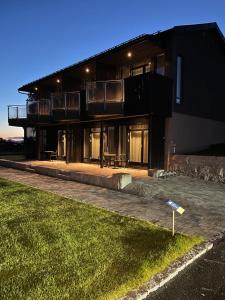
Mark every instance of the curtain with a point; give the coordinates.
(61, 143)
(135, 146)
(95, 145)
(145, 147)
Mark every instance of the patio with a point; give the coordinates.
(86, 168)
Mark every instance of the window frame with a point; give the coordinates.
(179, 81)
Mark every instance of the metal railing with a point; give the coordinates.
(41, 107)
(66, 101)
(105, 91)
(16, 112)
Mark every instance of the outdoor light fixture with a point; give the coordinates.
(58, 80)
(87, 70)
(36, 88)
(129, 54)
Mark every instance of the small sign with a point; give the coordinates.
(175, 206)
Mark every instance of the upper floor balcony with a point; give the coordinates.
(38, 110)
(105, 97)
(135, 95)
(141, 94)
(65, 106)
(34, 112)
(17, 114)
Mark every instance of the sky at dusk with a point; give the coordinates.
(37, 37)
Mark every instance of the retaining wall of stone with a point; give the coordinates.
(205, 167)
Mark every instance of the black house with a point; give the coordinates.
(134, 104)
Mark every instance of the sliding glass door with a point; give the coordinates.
(126, 143)
(139, 146)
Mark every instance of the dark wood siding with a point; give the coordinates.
(148, 93)
(203, 92)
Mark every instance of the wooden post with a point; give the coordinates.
(101, 146)
(150, 142)
(173, 221)
(68, 144)
(25, 141)
(38, 137)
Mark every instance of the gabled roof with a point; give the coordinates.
(111, 50)
(129, 43)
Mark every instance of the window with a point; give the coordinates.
(137, 71)
(179, 79)
(160, 64)
(141, 69)
(111, 140)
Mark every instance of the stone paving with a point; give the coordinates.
(204, 202)
(87, 168)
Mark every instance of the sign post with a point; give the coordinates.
(175, 207)
(173, 221)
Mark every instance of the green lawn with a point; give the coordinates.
(55, 248)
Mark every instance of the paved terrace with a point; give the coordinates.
(93, 169)
(204, 202)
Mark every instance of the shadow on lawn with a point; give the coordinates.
(4, 184)
(144, 249)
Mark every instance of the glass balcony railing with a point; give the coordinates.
(67, 101)
(16, 112)
(105, 91)
(38, 108)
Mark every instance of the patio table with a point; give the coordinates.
(50, 154)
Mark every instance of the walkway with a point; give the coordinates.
(204, 218)
(204, 279)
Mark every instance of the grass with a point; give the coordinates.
(55, 248)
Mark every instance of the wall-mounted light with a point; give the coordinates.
(87, 70)
(58, 80)
(36, 88)
(129, 54)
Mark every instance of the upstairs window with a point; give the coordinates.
(137, 71)
(141, 69)
(179, 80)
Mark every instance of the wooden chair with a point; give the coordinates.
(121, 161)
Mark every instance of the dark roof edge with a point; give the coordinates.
(203, 26)
(130, 42)
(83, 61)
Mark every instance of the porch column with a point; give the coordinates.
(101, 146)
(68, 144)
(157, 136)
(38, 137)
(25, 141)
(150, 142)
(116, 136)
